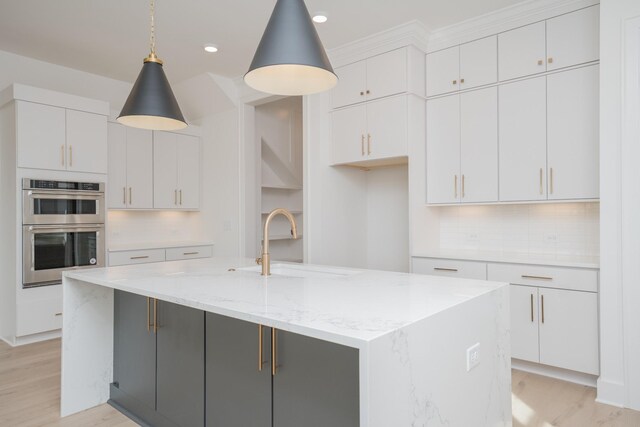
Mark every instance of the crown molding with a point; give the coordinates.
(501, 20)
(411, 33)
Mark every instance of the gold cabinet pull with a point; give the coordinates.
(540, 62)
(455, 82)
(461, 81)
(124, 195)
(531, 308)
(148, 313)
(541, 181)
(369, 144)
(463, 186)
(260, 348)
(550, 60)
(542, 306)
(139, 257)
(361, 93)
(130, 196)
(58, 314)
(551, 180)
(62, 155)
(274, 351)
(362, 144)
(190, 253)
(180, 197)
(455, 270)
(155, 316)
(71, 156)
(368, 92)
(455, 186)
(175, 197)
(526, 276)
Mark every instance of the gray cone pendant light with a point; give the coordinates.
(290, 59)
(151, 103)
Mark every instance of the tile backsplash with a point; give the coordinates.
(550, 229)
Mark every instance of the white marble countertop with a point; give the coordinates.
(575, 261)
(351, 310)
(156, 245)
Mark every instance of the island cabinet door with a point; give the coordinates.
(180, 361)
(238, 374)
(316, 383)
(524, 323)
(134, 362)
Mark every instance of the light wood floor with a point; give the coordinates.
(30, 397)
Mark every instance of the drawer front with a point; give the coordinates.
(34, 317)
(545, 277)
(136, 257)
(174, 254)
(450, 268)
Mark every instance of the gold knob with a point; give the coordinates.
(540, 61)
(368, 91)
(361, 93)
(455, 82)
(461, 80)
(550, 60)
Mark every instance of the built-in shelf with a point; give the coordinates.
(293, 212)
(287, 260)
(283, 237)
(283, 187)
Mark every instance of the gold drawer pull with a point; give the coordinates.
(526, 276)
(531, 308)
(455, 270)
(274, 351)
(260, 363)
(155, 316)
(58, 314)
(190, 253)
(542, 301)
(148, 313)
(362, 145)
(140, 257)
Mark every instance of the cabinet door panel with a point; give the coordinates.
(521, 52)
(117, 149)
(522, 134)
(41, 136)
(479, 145)
(139, 168)
(524, 323)
(165, 170)
(86, 142)
(134, 360)
(387, 128)
(188, 149)
(443, 71)
(348, 134)
(479, 62)
(238, 395)
(443, 150)
(180, 359)
(573, 129)
(351, 87)
(387, 74)
(316, 385)
(573, 38)
(569, 330)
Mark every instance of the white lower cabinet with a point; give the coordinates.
(450, 268)
(524, 323)
(159, 254)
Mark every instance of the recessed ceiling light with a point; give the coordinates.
(320, 18)
(210, 48)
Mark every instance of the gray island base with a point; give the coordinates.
(212, 343)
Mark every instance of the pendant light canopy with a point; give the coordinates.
(151, 103)
(290, 59)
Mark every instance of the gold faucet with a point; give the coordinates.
(265, 260)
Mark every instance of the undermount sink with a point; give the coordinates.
(292, 270)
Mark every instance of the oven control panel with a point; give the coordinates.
(40, 184)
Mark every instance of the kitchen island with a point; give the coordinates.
(398, 349)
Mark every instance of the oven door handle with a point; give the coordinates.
(64, 195)
(69, 229)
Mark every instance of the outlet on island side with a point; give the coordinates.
(473, 356)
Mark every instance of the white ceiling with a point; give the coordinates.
(110, 37)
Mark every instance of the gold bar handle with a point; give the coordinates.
(463, 186)
(190, 253)
(155, 316)
(175, 197)
(274, 351)
(455, 186)
(148, 313)
(369, 144)
(454, 270)
(180, 197)
(551, 180)
(124, 195)
(541, 181)
(526, 276)
(531, 308)
(130, 196)
(62, 155)
(260, 348)
(139, 257)
(58, 314)
(542, 302)
(362, 144)
(71, 156)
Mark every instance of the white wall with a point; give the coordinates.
(619, 381)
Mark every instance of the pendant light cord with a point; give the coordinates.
(152, 38)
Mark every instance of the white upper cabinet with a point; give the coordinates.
(349, 134)
(443, 71)
(479, 63)
(56, 138)
(573, 38)
(387, 128)
(572, 134)
(352, 80)
(176, 171)
(117, 156)
(86, 142)
(523, 140)
(390, 73)
(479, 145)
(41, 136)
(522, 52)
(461, 67)
(443, 150)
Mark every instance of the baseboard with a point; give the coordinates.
(552, 372)
(611, 393)
(43, 336)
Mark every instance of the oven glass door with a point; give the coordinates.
(53, 207)
(49, 250)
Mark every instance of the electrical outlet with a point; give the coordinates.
(473, 356)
